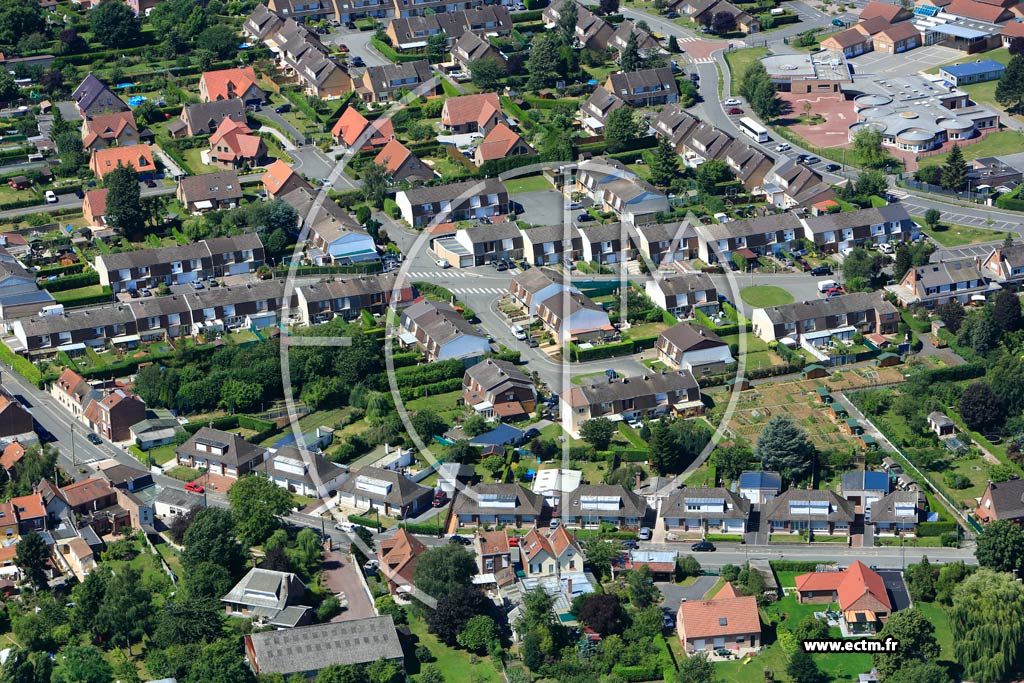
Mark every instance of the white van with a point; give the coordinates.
(51, 198)
(519, 333)
(825, 285)
(777, 12)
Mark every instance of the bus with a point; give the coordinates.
(753, 129)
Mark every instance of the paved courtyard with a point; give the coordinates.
(837, 111)
(674, 593)
(921, 59)
(341, 575)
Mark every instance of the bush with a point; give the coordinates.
(71, 282)
(363, 521)
(933, 529)
(422, 529)
(391, 208)
(950, 539)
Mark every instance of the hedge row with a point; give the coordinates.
(928, 529)
(423, 529)
(23, 366)
(622, 348)
(955, 373)
(363, 521)
(793, 566)
(408, 393)
(355, 268)
(756, 373)
(390, 53)
(69, 269)
(778, 20)
(71, 282)
(404, 360)
(20, 204)
(640, 672)
(526, 17)
(430, 373)
(104, 297)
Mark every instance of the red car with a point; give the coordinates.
(735, 111)
(194, 487)
(513, 541)
(343, 48)
(834, 291)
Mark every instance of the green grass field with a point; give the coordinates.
(952, 235)
(457, 665)
(530, 183)
(1000, 142)
(739, 60)
(763, 296)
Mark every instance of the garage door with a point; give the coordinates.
(719, 642)
(698, 644)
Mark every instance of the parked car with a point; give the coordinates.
(832, 168)
(703, 547)
(635, 423)
(575, 205)
(513, 541)
(668, 622)
(808, 159)
(462, 540)
(584, 218)
(282, 108)
(644, 534)
(350, 25)
(732, 102)
(194, 487)
(819, 271)
(342, 47)
(150, 182)
(735, 111)
(672, 15)
(198, 285)
(93, 438)
(440, 498)
(134, 293)
(147, 292)
(345, 526)
(783, 147)
(51, 198)
(531, 433)
(838, 22)
(532, 343)
(553, 524)
(834, 291)
(357, 61)
(441, 263)
(630, 545)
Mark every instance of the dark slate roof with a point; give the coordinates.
(237, 450)
(476, 499)
(761, 480)
(736, 506)
(839, 508)
(685, 336)
(1007, 498)
(864, 480)
(404, 491)
(311, 648)
(630, 504)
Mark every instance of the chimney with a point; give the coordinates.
(568, 586)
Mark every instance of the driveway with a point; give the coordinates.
(674, 593)
(897, 588)
(341, 575)
(311, 162)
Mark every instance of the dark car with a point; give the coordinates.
(134, 293)
(150, 182)
(671, 15)
(630, 545)
(804, 265)
(350, 25)
(532, 343)
(832, 168)
(501, 266)
(531, 433)
(523, 265)
(282, 108)
(821, 270)
(357, 61)
(584, 218)
(455, 538)
(93, 439)
(703, 547)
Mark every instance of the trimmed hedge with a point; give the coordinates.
(422, 529)
(527, 16)
(955, 373)
(70, 269)
(391, 54)
(930, 529)
(793, 566)
(430, 373)
(420, 391)
(71, 282)
(640, 672)
(23, 366)
(363, 521)
(622, 348)
(104, 297)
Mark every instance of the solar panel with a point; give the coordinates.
(705, 501)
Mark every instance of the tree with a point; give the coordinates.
(600, 555)
(664, 166)
(621, 127)
(673, 45)
(1006, 311)
(82, 663)
(642, 591)
(32, 557)
(696, 669)
(115, 25)
(124, 198)
(730, 461)
(766, 102)
(954, 171)
(951, 575)
(479, 633)
(431, 673)
(1010, 88)
(951, 314)
(239, 397)
(920, 672)
(475, 425)
(784, 447)
(8, 88)
(752, 77)
(710, 174)
(565, 27)
(981, 409)
(255, 504)
(921, 580)
(861, 263)
(987, 611)
(606, 7)
(1001, 547)
(375, 184)
(444, 571)
(676, 443)
(600, 611)
(916, 635)
(453, 613)
(871, 183)
(868, 145)
(723, 23)
(631, 59)
(487, 73)
(802, 669)
(211, 538)
(902, 262)
(810, 628)
(1016, 46)
(186, 620)
(932, 218)
(220, 39)
(220, 662)
(427, 423)
(19, 18)
(598, 432)
(543, 63)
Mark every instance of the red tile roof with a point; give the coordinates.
(976, 10)
(458, 111)
(97, 200)
(29, 507)
(498, 143)
(722, 616)
(493, 542)
(353, 124)
(849, 584)
(393, 156)
(884, 10)
(398, 556)
(1014, 29)
(228, 83)
(277, 174)
(86, 491)
(11, 455)
(555, 543)
(238, 138)
(107, 126)
(137, 156)
(898, 32)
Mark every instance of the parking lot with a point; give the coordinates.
(921, 59)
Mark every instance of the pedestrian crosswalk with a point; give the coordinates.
(445, 274)
(688, 39)
(479, 290)
(702, 60)
(899, 194)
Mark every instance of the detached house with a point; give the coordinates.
(705, 511)
(280, 180)
(270, 597)
(441, 332)
(93, 97)
(591, 505)
(1002, 500)
(573, 316)
(385, 490)
(355, 131)
(400, 164)
(94, 207)
(497, 387)
(210, 191)
(695, 348)
(227, 84)
(646, 396)
(472, 113)
(494, 555)
(380, 83)
(532, 286)
(205, 117)
(823, 511)
(500, 143)
(934, 284)
(683, 294)
(728, 621)
(645, 88)
(508, 504)
(233, 145)
(1005, 265)
(139, 157)
(859, 591)
(108, 130)
(397, 557)
(221, 453)
(897, 513)
(305, 472)
(595, 111)
(471, 48)
(550, 553)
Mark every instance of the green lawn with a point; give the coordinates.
(953, 235)
(182, 473)
(758, 355)
(162, 454)
(70, 294)
(739, 60)
(457, 665)
(586, 378)
(938, 618)
(763, 296)
(530, 183)
(193, 157)
(445, 405)
(993, 144)
(1002, 55)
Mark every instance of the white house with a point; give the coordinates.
(706, 510)
(305, 472)
(550, 553)
(552, 484)
(570, 316)
(531, 287)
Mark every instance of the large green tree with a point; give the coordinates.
(1001, 546)
(802, 669)
(32, 557)
(19, 18)
(124, 199)
(375, 184)
(954, 171)
(1010, 88)
(598, 432)
(544, 63)
(765, 101)
(664, 166)
(696, 669)
(82, 664)
(1006, 312)
(631, 59)
(444, 571)
(565, 27)
(710, 174)
(920, 672)
(187, 620)
(220, 39)
(784, 447)
(115, 25)
(915, 634)
(487, 73)
(125, 614)
(676, 443)
(621, 127)
(868, 145)
(986, 619)
(980, 407)
(256, 503)
(211, 539)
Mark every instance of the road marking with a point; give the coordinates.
(703, 60)
(478, 290)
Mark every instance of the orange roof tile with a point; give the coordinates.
(353, 124)
(719, 617)
(11, 455)
(138, 157)
(238, 138)
(107, 126)
(398, 556)
(86, 491)
(1013, 29)
(277, 174)
(7, 555)
(493, 542)
(97, 200)
(555, 543)
(228, 83)
(849, 584)
(498, 143)
(29, 507)
(393, 156)
(976, 10)
(882, 9)
(458, 111)
(727, 591)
